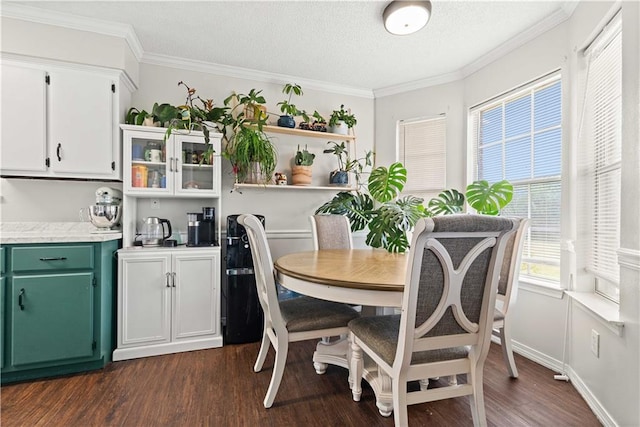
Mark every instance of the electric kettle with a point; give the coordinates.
(153, 231)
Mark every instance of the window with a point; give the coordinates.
(599, 174)
(518, 137)
(422, 150)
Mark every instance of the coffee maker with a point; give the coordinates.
(201, 228)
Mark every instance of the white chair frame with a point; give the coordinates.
(477, 336)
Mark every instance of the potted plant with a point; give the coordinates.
(288, 109)
(252, 155)
(301, 169)
(251, 105)
(319, 123)
(342, 120)
(346, 164)
(388, 216)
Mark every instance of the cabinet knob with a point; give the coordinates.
(58, 152)
(173, 281)
(167, 275)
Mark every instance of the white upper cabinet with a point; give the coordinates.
(59, 121)
(81, 132)
(24, 124)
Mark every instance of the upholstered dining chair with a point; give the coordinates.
(296, 319)
(507, 292)
(331, 232)
(446, 320)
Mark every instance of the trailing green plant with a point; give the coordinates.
(387, 215)
(250, 145)
(303, 157)
(346, 163)
(286, 107)
(342, 115)
(484, 198)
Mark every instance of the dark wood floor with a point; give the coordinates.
(219, 388)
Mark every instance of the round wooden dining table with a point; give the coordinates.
(367, 277)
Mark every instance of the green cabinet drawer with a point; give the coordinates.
(42, 258)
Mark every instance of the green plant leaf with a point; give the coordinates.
(355, 206)
(489, 199)
(386, 184)
(447, 202)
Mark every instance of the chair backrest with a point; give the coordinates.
(331, 232)
(510, 271)
(451, 285)
(264, 272)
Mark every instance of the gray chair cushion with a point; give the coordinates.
(497, 315)
(332, 232)
(311, 314)
(380, 333)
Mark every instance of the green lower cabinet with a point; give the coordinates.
(2, 322)
(57, 309)
(52, 318)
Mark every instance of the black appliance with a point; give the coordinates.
(201, 228)
(244, 314)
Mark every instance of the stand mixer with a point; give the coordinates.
(106, 213)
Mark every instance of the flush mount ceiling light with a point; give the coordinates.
(406, 17)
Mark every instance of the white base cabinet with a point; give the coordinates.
(168, 301)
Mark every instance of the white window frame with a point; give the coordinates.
(473, 138)
(422, 149)
(600, 131)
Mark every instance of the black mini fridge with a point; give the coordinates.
(244, 314)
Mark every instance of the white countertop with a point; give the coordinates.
(53, 232)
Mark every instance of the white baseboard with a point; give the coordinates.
(595, 405)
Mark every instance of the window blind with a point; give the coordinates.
(518, 137)
(600, 160)
(422, 150)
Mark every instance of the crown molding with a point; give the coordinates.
(250, 74)
(557, 18)
(49, 17)
(418, 84)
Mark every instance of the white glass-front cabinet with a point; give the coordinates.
(70, 130)
(177, 167)
(168, 301)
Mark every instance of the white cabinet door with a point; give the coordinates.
(81, 124)
(144, 299)
(23, 119)
(195, 298)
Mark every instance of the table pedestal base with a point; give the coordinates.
(337, 353)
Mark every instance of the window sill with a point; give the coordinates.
(540, 287)
(607, 312)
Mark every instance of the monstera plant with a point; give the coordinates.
(387, 215)
(484, 198)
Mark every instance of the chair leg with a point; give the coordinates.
(399, 388)
(355, 370)
(507, 351)
(262, 354)
(476, 399)
(282, 348)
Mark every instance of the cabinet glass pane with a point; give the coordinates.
(196, 171)
(149, 163)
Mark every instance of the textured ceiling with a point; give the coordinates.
(338, 42)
